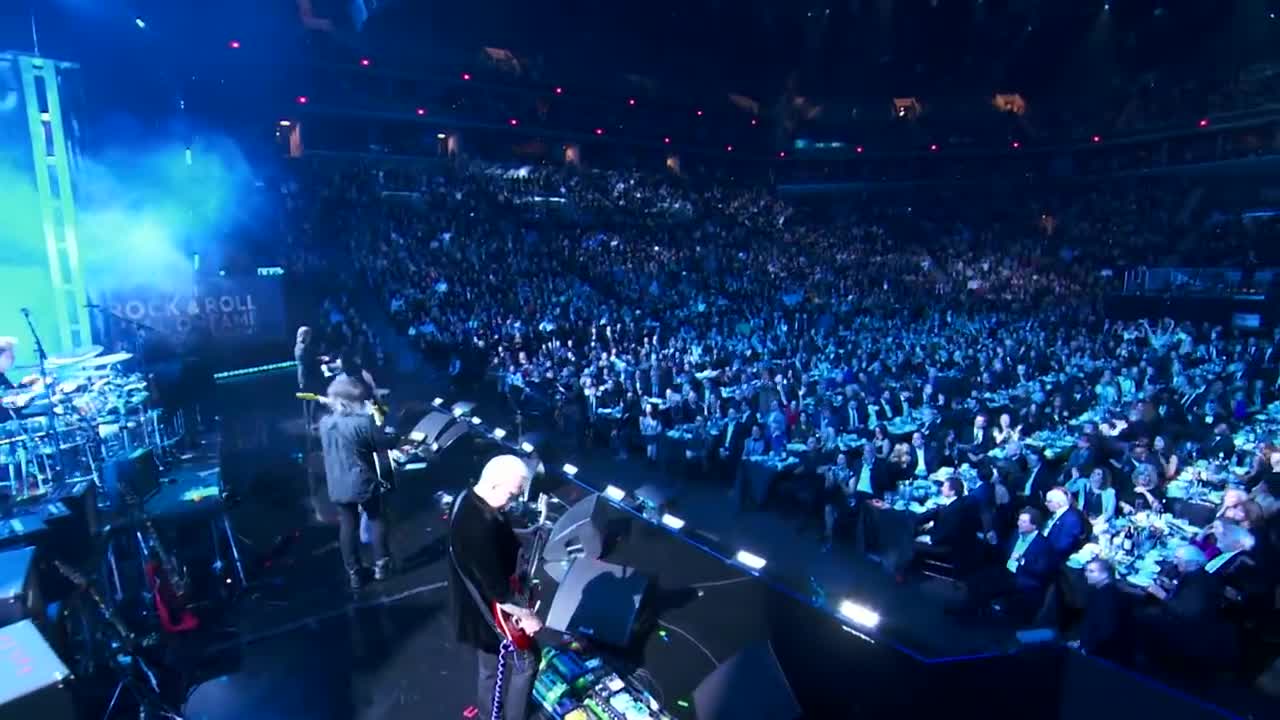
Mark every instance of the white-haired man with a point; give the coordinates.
(484, 550)
(7, 346)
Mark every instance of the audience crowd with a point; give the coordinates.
(937, 384)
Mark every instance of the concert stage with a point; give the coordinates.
(298, 644)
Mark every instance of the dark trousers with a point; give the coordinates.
(520, 669)
(349, 531)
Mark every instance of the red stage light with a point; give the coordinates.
(728, 148)
(666, 140)
(422, 111)
(1097, 139)
(466, 76)
(599, 131)
(1204, 122)
(302, 99)
(933, 148)
(364, 62)
(631, 101)
(234, 44)
(782, 153)
(753, 121)
(559, 90)
(1016, 144)
(858, 149)
(513, 122)
(699, 113)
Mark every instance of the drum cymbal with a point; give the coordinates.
(74, 357)
(106, 360)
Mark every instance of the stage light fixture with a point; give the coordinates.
(302, 99)
(728, 148)
(754, 122)
(466, 76)
(666, 141)
(672, 521)
(142, 24)
(631, 101)
(559, 91)
(526, 446)
(499, 433)
(441, 136)
(513, 122)
(699, 113)
(458, 412)
(750, 560)
(933, 147)
(365, 62)
(285, 123)
(858, 149)
(1204, 122)
(438, 402)
(234, 44)
(1097, 139)
(475, 420)
(1016, 144)
(422, 111)
(782, 153)
(599, 131)
(570, 470)
(859, 614)
(615, 493)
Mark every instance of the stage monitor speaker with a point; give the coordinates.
(749, 686)
(19, 590)
(136, 474)
(32, 678)
(576, 534)
(598, 600)
(430, 427)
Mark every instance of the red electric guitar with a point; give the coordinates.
(523, 584)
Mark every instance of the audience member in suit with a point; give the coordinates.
(1186, 632)
(1105, 628)
(731, 441)
(1019, 584)
(952, 527)
(1067, 529)
(1031, 489)
(979, 441)
(924, 460)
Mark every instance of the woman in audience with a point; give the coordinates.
(1094, 495)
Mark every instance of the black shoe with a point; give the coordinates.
(356, 578)
(382, 569)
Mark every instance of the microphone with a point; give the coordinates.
(26, 312)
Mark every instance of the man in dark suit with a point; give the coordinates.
(1187, 632)
(1067, 528)
(1105, 630)
(1020, 583)
(980, 440)
(924, 460)
(952, 524)
(1031, 490)
(732, 439)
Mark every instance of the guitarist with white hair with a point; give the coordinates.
(485, 554)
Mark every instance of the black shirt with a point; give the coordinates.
(5, 384)
(486, 549)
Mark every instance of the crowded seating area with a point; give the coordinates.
(938, 388)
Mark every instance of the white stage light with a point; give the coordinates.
(859, 614)
(438, 402)
(499, 433)
(475, 421)
(570, 470)
(751, 560)
(615, 493)
(672, 521)
(526, 446)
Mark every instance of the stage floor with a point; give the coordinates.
(299, 644)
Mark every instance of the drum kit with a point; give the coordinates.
(63, 426)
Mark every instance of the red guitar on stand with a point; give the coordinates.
(523, 584)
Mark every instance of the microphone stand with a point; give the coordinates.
(42, 358)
